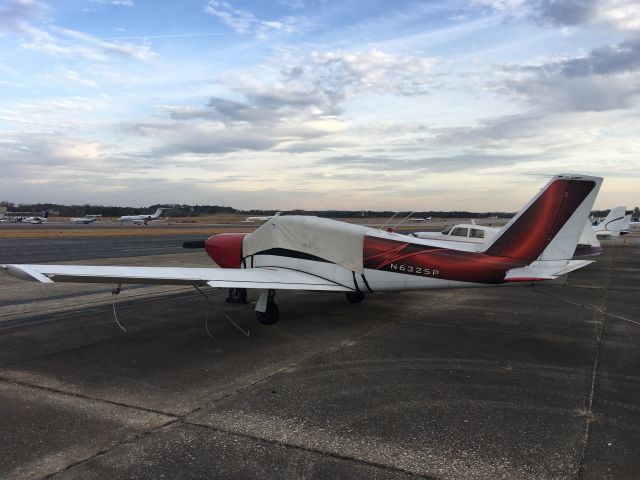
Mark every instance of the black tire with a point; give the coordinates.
(237, 295)
(355, 297)
(270, 315)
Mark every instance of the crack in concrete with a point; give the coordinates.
(590, 417)
(182, 419)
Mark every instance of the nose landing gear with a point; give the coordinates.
(267, 311)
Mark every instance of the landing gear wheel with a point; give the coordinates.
(237, 295)
(270, 315)
(355, 297)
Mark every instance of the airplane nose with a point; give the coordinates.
(225, 249)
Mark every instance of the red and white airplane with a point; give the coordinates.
(311, 253)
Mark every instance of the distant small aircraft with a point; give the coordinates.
(310, 253)
(612, 224)
(35, 220)
(462, 232)
(4, 217)
(588, 244)
(420, 219)
(261, 219)
(142, 219)
(85, 220)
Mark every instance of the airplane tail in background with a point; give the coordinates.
(159, 211)
(45, 214)
(613, 222)
(626, 223)
(549, 226)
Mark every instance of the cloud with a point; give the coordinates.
(18, 17)
(243, 21)
(122, 3)
(433, 164)
(607, 78)
(618, 14)
(622, 15)
(300, 100)
(15, 13)
(227, 111)
(67, 75)
(210, 139)
(72, 43)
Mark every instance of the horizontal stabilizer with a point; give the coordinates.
(542, 270)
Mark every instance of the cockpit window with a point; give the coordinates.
(475, 233)
(459, 232)
(446, 232)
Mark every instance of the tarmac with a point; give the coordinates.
(514, 383)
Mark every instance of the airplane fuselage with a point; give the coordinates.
(391, 262)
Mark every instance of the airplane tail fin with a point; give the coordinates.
(626, 222)
(45, 214)
(613, 222)
(549, 226)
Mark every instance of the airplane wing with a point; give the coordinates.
(259, 278)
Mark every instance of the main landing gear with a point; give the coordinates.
(237, 295)
(355, 297)
(267, 311)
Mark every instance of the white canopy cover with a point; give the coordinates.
(337, 242)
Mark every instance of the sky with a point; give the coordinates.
(325, 104)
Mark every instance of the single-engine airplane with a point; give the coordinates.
(311, 253)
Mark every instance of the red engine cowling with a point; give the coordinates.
(225, 249)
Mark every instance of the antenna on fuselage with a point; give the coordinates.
(385, 223)
(401, 221)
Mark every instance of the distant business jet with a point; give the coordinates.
(142, 219)
(420, 219)
(261, 219)
(85, 220)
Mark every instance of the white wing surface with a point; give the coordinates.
(259, 278)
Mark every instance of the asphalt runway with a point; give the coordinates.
(42, 250)
(454, 384)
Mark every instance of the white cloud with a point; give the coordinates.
(18, 17)
(122, 3)
(243, 21)
(67, 75)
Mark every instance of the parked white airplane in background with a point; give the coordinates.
(462, 232)
(142, 219)
(471, 233)
(420, 219)
(261, 219)
(86, 219)
(4, 217)
(35, 220)
(311, 253)
(612, 224)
